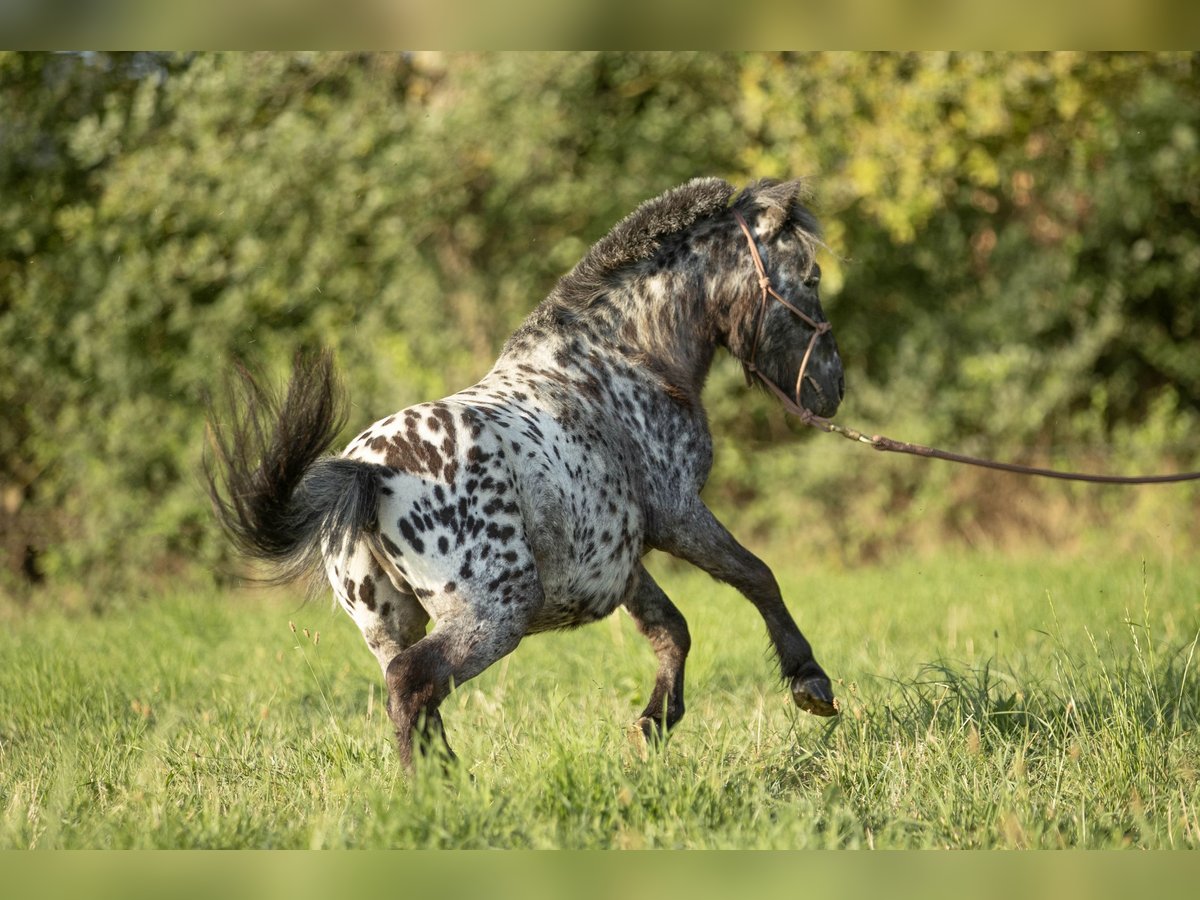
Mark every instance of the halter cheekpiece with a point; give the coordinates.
(794, 402)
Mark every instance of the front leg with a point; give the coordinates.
(700, 539)
(663, 625)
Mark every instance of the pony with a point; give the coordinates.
(526, 502)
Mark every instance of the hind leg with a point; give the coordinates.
(420, 677)
(386, 612)
(663, 625)
(480, 619)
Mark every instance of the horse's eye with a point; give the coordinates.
(814, 277)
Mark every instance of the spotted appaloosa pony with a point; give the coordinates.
(526, 502)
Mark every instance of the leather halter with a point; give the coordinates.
(793, 402)
(794, 405)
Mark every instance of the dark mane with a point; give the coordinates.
(639, 235)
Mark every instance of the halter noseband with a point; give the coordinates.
(793, 403)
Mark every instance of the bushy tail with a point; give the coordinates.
(276, 494)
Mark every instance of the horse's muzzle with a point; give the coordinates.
(824, 383)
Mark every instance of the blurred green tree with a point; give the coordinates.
(1013, 256)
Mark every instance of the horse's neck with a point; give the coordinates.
(667, 323)
(663, 320)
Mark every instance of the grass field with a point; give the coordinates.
(1026, 701)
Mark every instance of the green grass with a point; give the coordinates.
(988, 702)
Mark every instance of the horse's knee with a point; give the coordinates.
(760, 580)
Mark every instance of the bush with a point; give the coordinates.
(1013, 270)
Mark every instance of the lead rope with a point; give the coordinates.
(878, 441)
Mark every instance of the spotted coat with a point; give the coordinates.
(526, 502)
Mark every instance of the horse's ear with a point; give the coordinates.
(776, 199)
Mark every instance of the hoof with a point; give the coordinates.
(640, 741)
(652, 729)
(814, 694)
(645, 737)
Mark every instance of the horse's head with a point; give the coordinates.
(781, 333)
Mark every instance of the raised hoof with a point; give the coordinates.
(814, 694)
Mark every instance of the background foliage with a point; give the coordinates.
(1013, 267)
